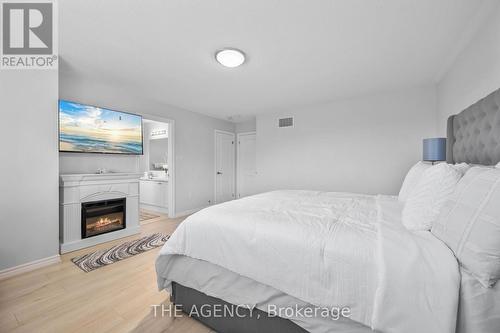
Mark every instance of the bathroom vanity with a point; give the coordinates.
(154, 194)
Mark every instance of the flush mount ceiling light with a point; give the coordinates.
(230, 57)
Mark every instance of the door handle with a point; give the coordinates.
(219, 173)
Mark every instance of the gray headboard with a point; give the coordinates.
(474, 134)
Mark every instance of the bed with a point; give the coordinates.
(330, 252)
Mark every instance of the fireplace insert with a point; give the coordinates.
(100, 217)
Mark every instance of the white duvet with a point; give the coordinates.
(330, 250)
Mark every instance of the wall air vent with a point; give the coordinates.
(285, 122)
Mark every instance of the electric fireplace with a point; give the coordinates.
(100, 217)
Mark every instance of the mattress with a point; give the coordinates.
(221, 283)
(324, 249)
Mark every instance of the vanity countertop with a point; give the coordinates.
(165, 180)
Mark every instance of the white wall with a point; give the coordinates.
(474, 74)
(246, 126)
(90, 163)
(144, 159)
(29, 196)
(359, 145)
(194, 139)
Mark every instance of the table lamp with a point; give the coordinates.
(434, 150)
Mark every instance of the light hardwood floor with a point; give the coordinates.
(114, 298)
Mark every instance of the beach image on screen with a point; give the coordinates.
(90, 129)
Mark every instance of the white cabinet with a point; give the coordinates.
(154, 195)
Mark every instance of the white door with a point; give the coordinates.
(246, 167)
(224, 166)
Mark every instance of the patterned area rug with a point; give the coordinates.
(143, 216)
(98, 259)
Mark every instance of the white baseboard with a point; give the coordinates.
(30, 266)
(156, 209)
(189, 212)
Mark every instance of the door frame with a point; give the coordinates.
(170, 160)
(238, 171)
(215, 163)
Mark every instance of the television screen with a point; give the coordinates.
(89, 129)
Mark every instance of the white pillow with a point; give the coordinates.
(411, 180)
(498, 165)
(422, 207)
(462, 167)
(469, 224)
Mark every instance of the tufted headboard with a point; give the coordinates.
(474, 134)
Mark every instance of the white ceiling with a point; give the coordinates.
(299, 52)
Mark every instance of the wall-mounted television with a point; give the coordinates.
(89, 129)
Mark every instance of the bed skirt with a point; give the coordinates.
(246, 321)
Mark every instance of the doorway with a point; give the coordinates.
(157, 184)
(224, 166)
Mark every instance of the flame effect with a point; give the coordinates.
(106, 221)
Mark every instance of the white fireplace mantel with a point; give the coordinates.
(75, 189)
